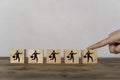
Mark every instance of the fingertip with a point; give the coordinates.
(90, 48)
(99, 44)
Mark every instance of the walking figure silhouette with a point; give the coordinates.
(34, 56)
(88, 56)
(17, 56)
(53, 56)
(71, 56)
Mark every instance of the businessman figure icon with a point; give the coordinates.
(71, 56)
(16, 56)
(88, 56)
(53, 56)
(35, 56)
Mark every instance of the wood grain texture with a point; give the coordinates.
(106, 69)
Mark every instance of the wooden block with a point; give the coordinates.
(17, 56)
(53, 56)
(35, 56)
(89, 56)
(71, 56)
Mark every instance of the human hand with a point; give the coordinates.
(113, 40)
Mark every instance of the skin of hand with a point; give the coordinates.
(113, 40)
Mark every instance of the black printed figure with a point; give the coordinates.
(88, 56)
(53, 56)
(17, 56)
(34, 56)
(71, 56)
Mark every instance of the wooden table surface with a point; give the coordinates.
(106, 69)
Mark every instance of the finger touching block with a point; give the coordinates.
(53, 56)
(71, 56)
(17, 56)
(35, 56)
(89, 56)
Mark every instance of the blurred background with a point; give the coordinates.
(57, 24)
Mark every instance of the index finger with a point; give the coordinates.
(99, 44)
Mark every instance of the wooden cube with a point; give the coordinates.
(35, 56)
(71, 56)
(53, 56)
(17, 56)
(89, 56)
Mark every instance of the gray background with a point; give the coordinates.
(57, 24)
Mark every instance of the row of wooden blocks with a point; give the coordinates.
(53, 56)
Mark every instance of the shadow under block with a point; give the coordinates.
(89, 56)
(35, 56)
(53, 56)
(71, 56)
(17, 56)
